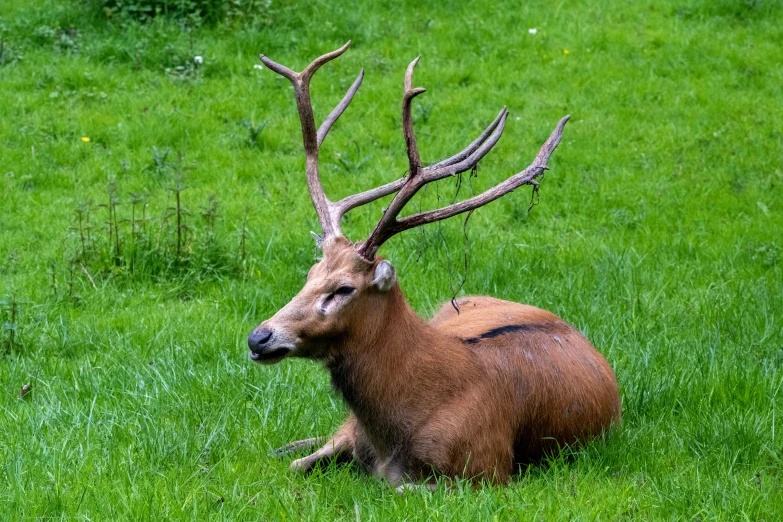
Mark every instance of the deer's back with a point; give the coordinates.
(544, 377)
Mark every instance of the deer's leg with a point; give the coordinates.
(340, 446)
(298, 446)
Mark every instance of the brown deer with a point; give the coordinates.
(473, 392)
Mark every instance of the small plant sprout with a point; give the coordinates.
(210, 214)
(179, 211)
(253, 132)
(159, 164)
(113, 222)
(138, 226)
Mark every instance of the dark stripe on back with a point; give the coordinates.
(501, 330)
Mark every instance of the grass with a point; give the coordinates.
(657, 234)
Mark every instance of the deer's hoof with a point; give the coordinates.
(302, 465)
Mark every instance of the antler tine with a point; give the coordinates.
(470, 149)
(323, 130)
(525, 177)
(282, 70)
(328, 57)
(407, 121)
(474, 157)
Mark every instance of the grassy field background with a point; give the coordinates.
(658, 234)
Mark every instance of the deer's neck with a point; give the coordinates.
(380, 371)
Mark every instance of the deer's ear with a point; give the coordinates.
(385, 276)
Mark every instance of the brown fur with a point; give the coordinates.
(467, 394)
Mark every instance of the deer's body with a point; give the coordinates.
(466, 394)
(469, 393)
(473, 394)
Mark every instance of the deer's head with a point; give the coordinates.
(349, 287)
(343, 292)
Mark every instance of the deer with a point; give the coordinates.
(478, 391)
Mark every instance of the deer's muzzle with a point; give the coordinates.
(265, 347)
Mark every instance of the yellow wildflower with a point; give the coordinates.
(566, 51)
(85, 139)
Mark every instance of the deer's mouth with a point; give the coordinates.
(270, 357)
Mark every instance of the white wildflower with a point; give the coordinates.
(258, 66)
(532, 30)
(198, 59)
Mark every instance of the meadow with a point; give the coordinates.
(154, 210)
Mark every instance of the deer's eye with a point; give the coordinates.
(344, 290)
(334, 301)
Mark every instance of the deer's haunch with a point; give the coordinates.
(468, 394)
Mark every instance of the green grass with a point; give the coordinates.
(657, 234)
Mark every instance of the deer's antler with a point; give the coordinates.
(465, 160)
(330, 213)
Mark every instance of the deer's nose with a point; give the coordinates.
(258, 339)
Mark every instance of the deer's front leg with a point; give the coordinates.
(340, 446)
